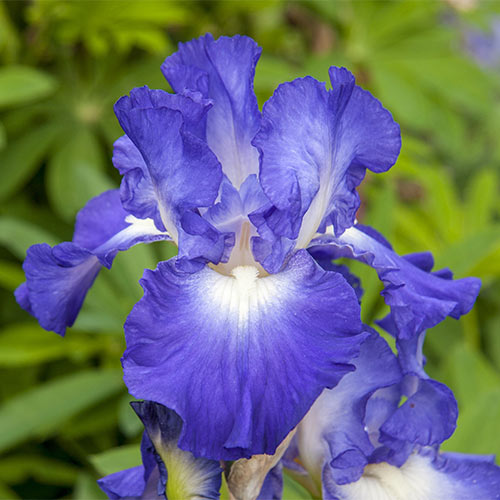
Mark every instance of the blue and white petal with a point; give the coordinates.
(424, 476)
(138, 193)
(334, 432)
(240, 358)
(418, 298)
(223, 71)
(58, 278)
(181, 474)
(315, 146)
(181, 171)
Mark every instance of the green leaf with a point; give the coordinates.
(3, 137)
(41, 411)
(16, 469)
(130, 424)
(116, 459)
(86, 487)
(292, 490)
(25, 344)
(467, 255)
(481, 196)
(469, 375)
(75, 174)
(17, 235)
(477, 427)
(11, 275)
(21, 84)
(21, 158)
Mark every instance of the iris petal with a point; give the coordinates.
(58, 278)
(333, 433)
(182, 170)
(223, 70)
(418, 299)
(315, 146)
(240, 358)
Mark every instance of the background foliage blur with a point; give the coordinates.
(64, 416)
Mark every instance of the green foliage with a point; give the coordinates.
(64, 415)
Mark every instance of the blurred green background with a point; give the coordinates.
(64, 417)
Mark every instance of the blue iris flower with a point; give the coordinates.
(242, 331)
(361, 440)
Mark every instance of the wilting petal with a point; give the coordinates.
(223, 70)
(315, 146)
(418, 299)
(240, 358)
(424, 476)
(333, 433)
(58, 278)
(182, 474)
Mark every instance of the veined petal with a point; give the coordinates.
(181, 172)
(423, 477)
(333, 433)
(418, 298)
(240, 358)
(315, 146)
(58, 278)
(223, 70)
(138, 189)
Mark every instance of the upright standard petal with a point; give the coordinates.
(181, 170)
(223, 70)
(58, 278)
(240, 358)
(419, 299)
(315, 146)
(138, 188)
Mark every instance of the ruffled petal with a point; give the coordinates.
(58, 278)
(418, 298)
(240, 358)
(181, 171)
(181, 474)
(427, 417)
(423, 477)
(315, 146)
(222, 70)
(333, 433)
(138, 188)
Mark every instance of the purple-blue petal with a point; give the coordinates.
(272, 488)
(223, 71)
(315, 146)
(128, 483)
(227, 354)
(184, 173)
(418, 299)
(427, 417)
(334, 433)
(58, 278)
